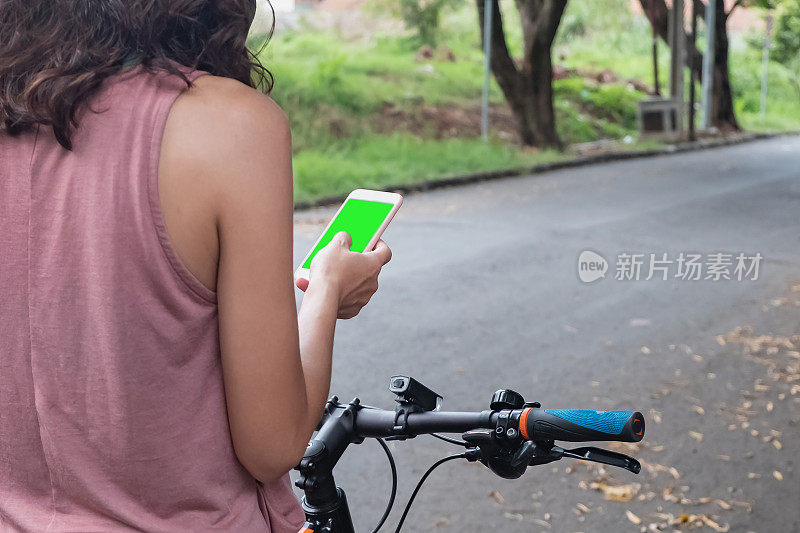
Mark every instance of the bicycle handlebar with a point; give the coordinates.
(572, 425)
(507, 438)
(372, 422)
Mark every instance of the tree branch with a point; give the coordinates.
(503, 67)
(734, 6)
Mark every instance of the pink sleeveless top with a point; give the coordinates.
(112, 409)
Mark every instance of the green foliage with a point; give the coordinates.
(787, 32)
(587, 111)
(424, 17)
(783, 92)
(607, 22)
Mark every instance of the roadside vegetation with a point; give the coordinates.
(378, 110)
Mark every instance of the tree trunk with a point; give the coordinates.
(659, 22)
(538, 90)
(722, 112)
(529, 88)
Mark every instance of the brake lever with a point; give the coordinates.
(599, 455)
(532, 453)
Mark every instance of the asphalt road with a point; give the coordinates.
(483, 293)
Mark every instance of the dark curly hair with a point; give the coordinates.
(55, 54)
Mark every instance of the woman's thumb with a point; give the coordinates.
(344, 239)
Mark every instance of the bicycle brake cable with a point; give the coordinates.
(419, 485)
(394, 485)
(448, 439)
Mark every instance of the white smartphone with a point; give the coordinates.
(364, 215)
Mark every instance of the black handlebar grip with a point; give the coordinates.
(578, 425)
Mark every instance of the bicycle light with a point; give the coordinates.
(410, 391)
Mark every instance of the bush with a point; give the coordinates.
(787, 32)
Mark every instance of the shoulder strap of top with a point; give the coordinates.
(169, 87)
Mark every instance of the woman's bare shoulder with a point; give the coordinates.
(232, 103)
(220, 130)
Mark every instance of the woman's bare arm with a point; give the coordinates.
(235, 144)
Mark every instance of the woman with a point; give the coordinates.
(155, 373)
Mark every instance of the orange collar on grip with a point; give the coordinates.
(523, 423)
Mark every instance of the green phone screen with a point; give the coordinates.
(360, 218)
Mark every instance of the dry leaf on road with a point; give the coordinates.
(619, 493)
(713, 525)
(632, 517)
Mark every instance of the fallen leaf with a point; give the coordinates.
(645, 350)
(713, 525)
(632, 517)
(618, 493)
(777, 475)
(777, 444)
(747, 505)
(694, 520)
(696, 435)
(699, 410)
(497, 496)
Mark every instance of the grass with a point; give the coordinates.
(334, 90)
(380, 161)
(783, 96)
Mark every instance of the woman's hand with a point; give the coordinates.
(353, 276)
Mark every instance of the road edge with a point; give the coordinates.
(477, 177)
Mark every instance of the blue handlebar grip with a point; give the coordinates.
(578, 425)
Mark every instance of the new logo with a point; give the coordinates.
(591, 266)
